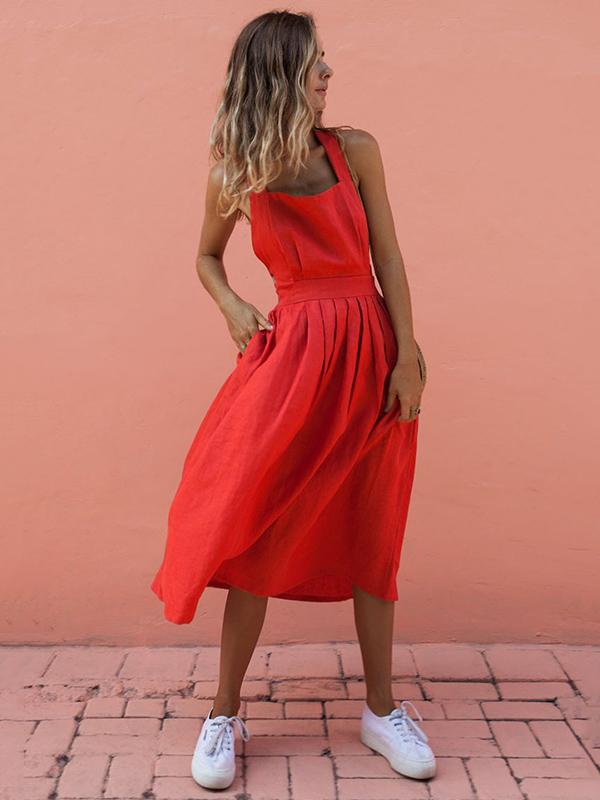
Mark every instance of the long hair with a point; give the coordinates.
(264, 115)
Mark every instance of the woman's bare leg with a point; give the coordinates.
(242, 623)
(374, 619)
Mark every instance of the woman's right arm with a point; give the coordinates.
(243, 319)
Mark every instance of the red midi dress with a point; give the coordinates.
(297, 483)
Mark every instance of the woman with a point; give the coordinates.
(298, 481)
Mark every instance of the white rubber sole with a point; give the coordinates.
(212, 779)
(421, 770)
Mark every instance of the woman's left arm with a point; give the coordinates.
(364, 155)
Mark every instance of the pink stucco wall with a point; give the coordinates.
(487, 116)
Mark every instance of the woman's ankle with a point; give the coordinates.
(381, 705)
(225, 705)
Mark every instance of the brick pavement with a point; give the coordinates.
(506, 722)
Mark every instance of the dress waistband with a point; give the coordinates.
(320, 288)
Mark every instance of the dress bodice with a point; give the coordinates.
(310, 236)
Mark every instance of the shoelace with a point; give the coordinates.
(406, 726)
(220, 733)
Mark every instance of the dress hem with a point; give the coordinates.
(186, 616)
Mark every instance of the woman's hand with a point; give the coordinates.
(405, 384)
(243, 320)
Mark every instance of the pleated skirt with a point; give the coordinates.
(297, 484)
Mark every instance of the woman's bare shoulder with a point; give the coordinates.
(362, 149)
(359, 141)
(216, 175)
(356, 137)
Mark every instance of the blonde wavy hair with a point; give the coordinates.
(264, 115)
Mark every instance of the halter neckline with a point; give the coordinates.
(323, 138)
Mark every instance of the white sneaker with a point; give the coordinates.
(398, 737)
(213, 762)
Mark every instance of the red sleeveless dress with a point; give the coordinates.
(297, 484)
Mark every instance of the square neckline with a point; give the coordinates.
(323, 140)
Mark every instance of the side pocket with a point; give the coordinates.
(250, 347)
